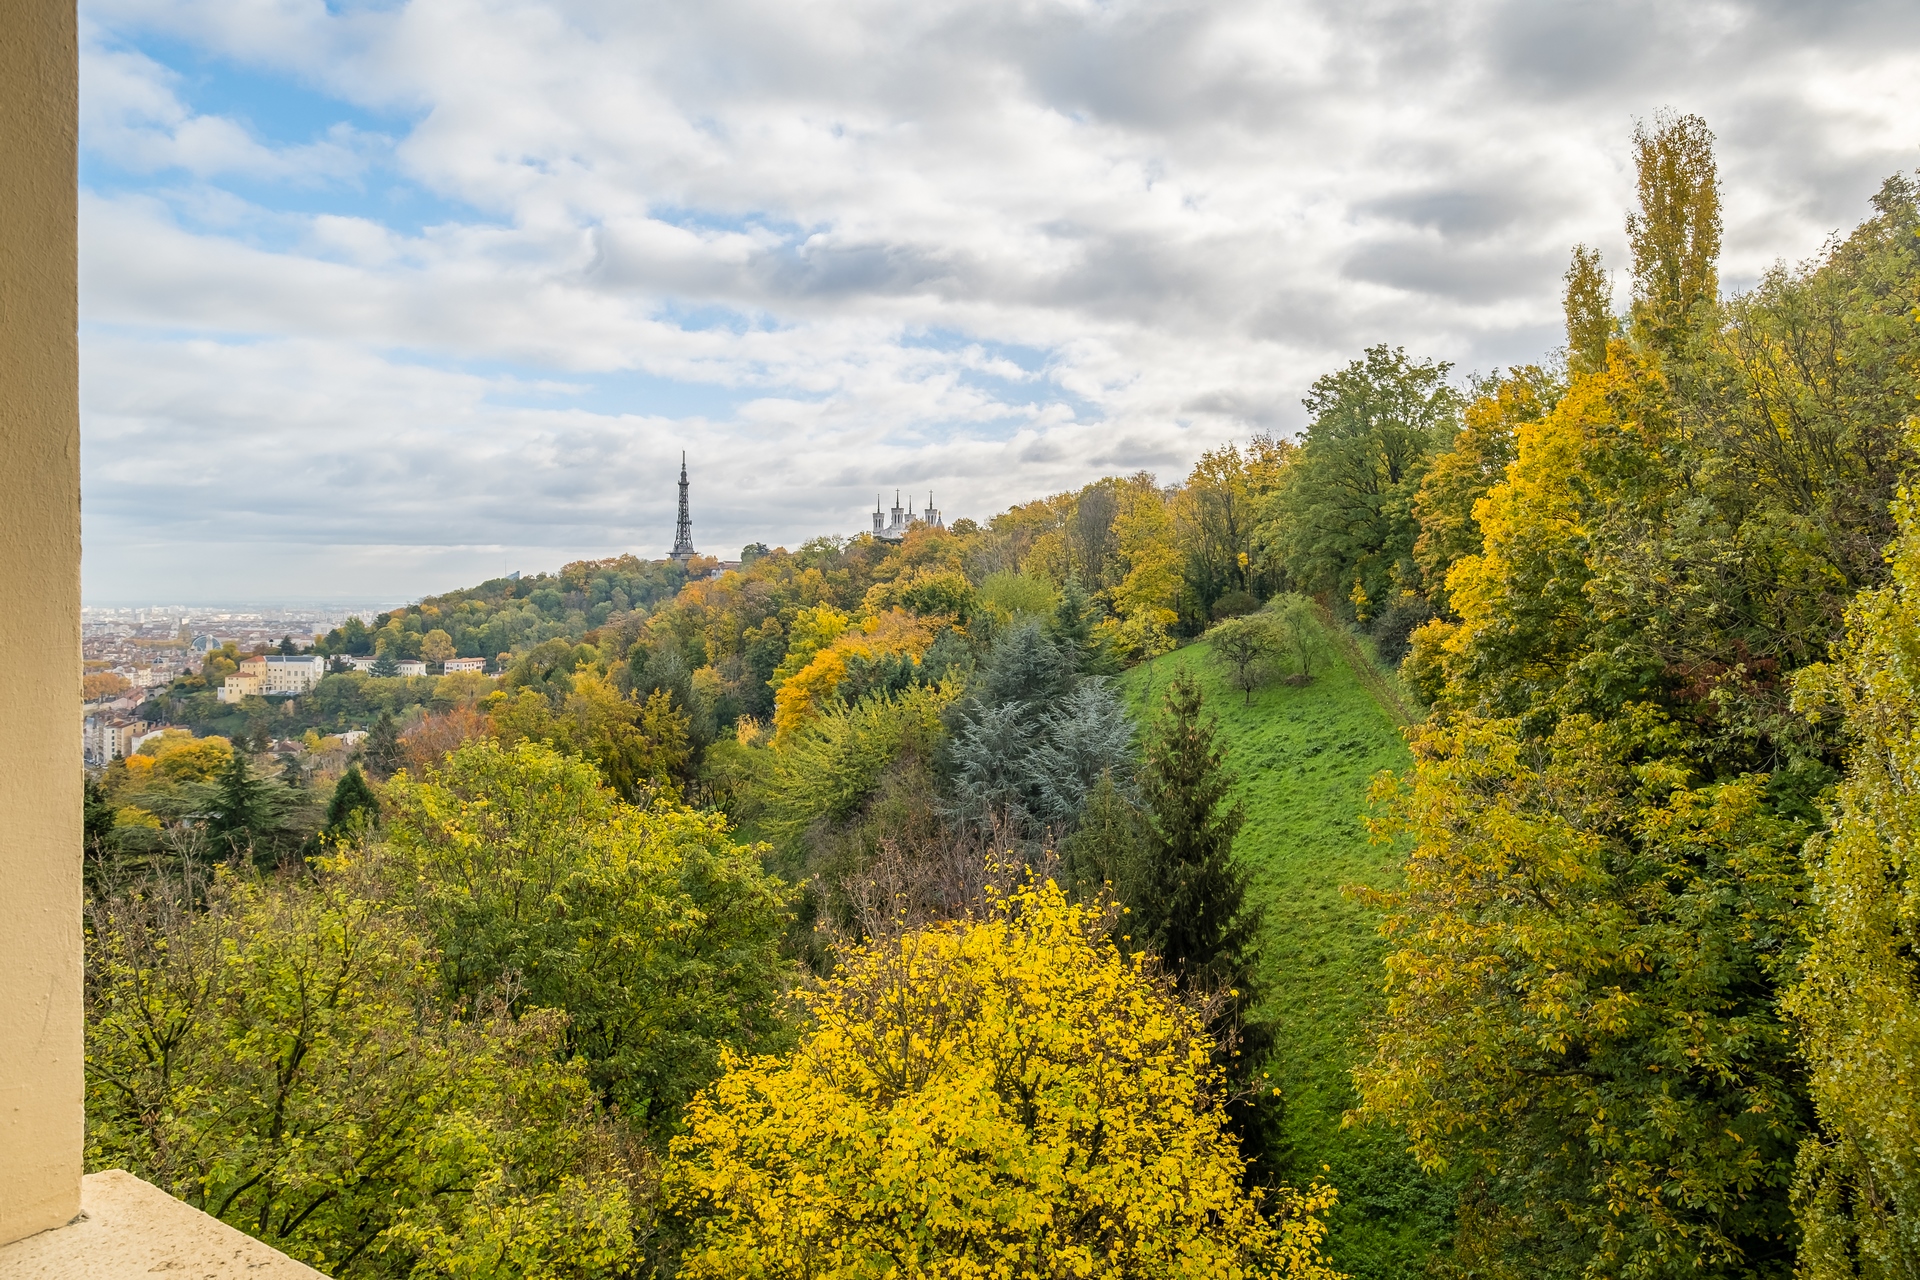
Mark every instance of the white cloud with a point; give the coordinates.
(996, 247)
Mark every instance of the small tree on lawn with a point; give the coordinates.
(1247, 647)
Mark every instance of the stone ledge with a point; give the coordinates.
(130, 1228)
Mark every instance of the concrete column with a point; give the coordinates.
(41, 1019)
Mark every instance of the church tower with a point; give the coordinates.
(683, 528)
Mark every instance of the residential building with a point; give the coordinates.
(293, 674)
(104, 737)
(273, 675)
(410, 667)
(248, 682)
(454, 665)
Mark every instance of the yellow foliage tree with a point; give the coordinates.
(1858, 1002)
(805, 693)
(1007, 1097)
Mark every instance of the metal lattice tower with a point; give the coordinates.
(683, 528)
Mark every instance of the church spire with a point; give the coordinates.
(683, 529)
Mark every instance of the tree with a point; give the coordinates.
(1004, 1096)
(437, 646)
(385, 666)
(1299, 632)
(287, 647)
(1107, 850)
(1675, 235)
(353, 804)
(1857, 1004)
(1188, 900)
(1342, 517)
(1246, 646)
(248, 810)
(1581, 1022)
(1192, 908)
(279, 1057)
(1588, 303)
(654, 932)
(383, 751)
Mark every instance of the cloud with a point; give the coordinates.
(465, 273)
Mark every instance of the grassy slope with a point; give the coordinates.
(1304, 756)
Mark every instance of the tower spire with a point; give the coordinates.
(683, 528)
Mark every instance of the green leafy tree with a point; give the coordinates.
(1298, 632)
(281, 1058)
(1342, 518)
(386, 665)
(1247, 648)
(1582, 1023)
(654, 932)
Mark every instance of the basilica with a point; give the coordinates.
(895, 528)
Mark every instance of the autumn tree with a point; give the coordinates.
(1009, 1095)
(1857, 1003)
(1588, 303)
(437, 646)
(1675, 233)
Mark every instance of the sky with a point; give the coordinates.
(383, 299)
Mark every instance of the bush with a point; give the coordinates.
(1234, 604)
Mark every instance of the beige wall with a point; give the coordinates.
(40, 1012)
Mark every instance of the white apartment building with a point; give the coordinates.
(293, 674)
(272, 675)
(410, 667)
(465, 664)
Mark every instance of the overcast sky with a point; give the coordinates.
(384, 299)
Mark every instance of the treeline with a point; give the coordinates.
(1605, 1016)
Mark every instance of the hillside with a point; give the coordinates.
(1304, 756)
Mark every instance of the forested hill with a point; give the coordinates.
(511, 615)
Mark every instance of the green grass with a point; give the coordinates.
(1304, 756)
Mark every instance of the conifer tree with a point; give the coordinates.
(383, 747)
(1188, 901)
(1192, 908)
(248, 808)
(351, 795)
